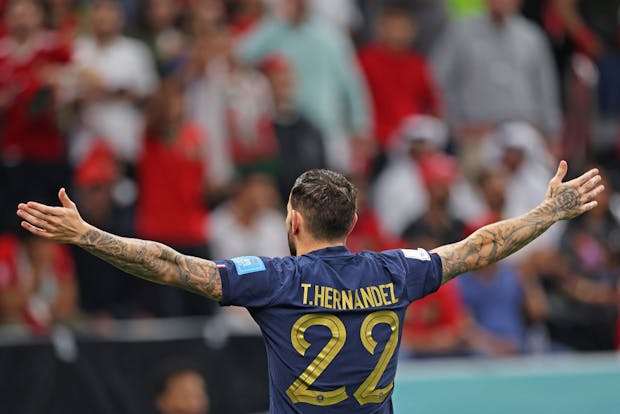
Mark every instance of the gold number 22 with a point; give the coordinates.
(300, 390)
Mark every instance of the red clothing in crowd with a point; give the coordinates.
(369, 235)
(401, 85)
(171, 179)
(30, 130)
(11, 255)
(443, 311)
(243, 25)
(15, 271)
(3, 4)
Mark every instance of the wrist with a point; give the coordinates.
(81, 238)
(547, 212)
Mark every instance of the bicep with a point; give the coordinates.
(196, 275)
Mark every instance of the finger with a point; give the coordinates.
(42, 224)
(64, 199)
(589, 206)
(590, 184)
(35, 230)
(52, 211)
(585, 177)
(594, 193)
(36, 213)
(561, 172)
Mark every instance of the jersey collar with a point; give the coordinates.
(331, 251)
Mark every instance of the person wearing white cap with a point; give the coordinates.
(399, 194)
(521, 149)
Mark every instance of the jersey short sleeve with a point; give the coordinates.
(423, 271)
(254, 281)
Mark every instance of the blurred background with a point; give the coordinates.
(187, 122)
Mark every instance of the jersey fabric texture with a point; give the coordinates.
(332, 322)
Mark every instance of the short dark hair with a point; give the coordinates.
(396, 8)
(327, 201)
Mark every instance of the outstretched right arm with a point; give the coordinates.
(146, 259)
(496, 241)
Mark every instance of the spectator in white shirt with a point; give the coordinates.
(115, 75)
(399, 195)
(250, 223)
(521, 149)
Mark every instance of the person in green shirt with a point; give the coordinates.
(331, 91)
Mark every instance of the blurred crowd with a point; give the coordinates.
(187, 122)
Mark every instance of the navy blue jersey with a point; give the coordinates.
(332, 322)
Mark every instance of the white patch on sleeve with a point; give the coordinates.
(418, 254)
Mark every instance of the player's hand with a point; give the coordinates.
(573, 198)
(62, 224)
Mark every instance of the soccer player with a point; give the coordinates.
(331, 319)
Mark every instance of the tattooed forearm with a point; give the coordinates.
(499, 240)
(155, 262)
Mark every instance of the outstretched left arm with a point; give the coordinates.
(494, 242)
(146, 259)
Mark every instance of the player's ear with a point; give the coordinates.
(296, 220)
(353, 224)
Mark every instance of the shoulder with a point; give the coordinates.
(528, 29)
(398, 257)
(368, 52)
(221, 219)
(271, 219)
(252, 264)
(268, 26)
(467, 27)
(328, 34)
(83, 48)
(399, 172)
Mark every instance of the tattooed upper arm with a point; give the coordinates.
(453, 261)
(492, 243)
(155, 262)
(199, 276)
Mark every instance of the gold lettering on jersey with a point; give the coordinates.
(363, 298)
(319, 296)
(328, 297)
(306, 286)
(347, 299)
(367, 298)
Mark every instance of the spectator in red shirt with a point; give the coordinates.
(171, 178)
(436, 325)
(32, 147)
(368, 233)
(399, 79)
(37, 286)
